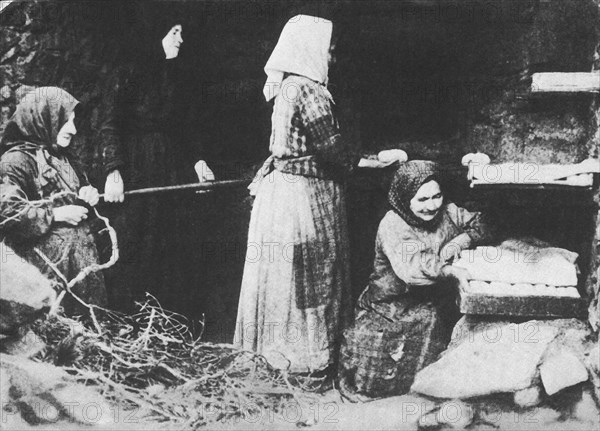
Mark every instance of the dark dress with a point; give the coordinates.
(31, 172)
(149, 112)
(36, 176)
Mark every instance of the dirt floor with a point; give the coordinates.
(572, 410)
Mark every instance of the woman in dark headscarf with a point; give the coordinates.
(409, 297)
(42, 216)
(151, 108)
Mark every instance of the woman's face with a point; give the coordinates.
(172, 41)
(428, 201)
(66, 132)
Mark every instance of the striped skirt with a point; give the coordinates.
(295, 295)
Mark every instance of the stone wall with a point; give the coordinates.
(594, 271)
(513, 126)
(437, 79)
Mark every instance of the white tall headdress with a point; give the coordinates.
(303, 49)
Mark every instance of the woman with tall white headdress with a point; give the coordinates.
(295, 294)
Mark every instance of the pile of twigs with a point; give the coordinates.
(151, 364)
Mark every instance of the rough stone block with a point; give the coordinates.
(25, 343)
(593, 363)
(587, 410)
(25, 292)
(4, 385)
(44, 393)
(528, 397)
(488, 362)
(562, 370)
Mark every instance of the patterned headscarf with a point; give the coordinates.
(38, 118)
(303, 49)
(409, 177)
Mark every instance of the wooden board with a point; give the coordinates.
(530, 174)
(565, 82)
(537, 302)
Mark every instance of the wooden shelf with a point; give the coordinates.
(565, 83)
(520, 186)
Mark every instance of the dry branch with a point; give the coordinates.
(152, 361)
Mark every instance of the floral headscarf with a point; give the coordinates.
(38, 118)
(409, 177)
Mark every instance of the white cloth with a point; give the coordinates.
(303, 49)
(578, 174)
(546, 266)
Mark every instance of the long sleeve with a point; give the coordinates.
(191, 112)
(471, 223)
(106, 132)
(19, 216)
(413, 260)
(322, 131)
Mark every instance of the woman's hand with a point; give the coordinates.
(70, 214)
(114, 188)
(451, 251)
(89, 195)
(203, 171)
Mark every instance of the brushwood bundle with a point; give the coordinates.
(152, 363)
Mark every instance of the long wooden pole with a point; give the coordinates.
(207, 185)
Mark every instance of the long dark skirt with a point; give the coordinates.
(147, 226)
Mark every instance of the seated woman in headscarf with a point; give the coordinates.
(407, 311)
(42, 198)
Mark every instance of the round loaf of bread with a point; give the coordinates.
(390, 156)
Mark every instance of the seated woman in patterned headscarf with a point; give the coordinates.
(42, 198)
(405, 313)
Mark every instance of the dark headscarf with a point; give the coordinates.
(409, 177)
(38, 118)
(149, 23)
(150, 85)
